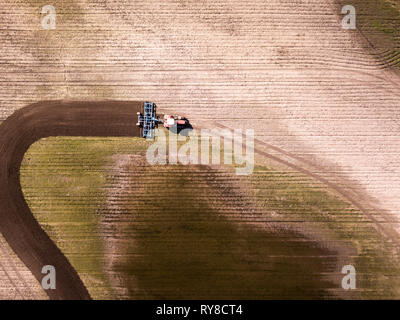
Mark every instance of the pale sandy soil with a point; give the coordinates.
(109, 228)
(286, 69)
(17, 282)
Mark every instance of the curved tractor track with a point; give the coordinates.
(17, 133)
(311, 170)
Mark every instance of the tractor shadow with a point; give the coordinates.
(182, 129)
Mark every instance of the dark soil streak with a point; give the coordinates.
(27, 125)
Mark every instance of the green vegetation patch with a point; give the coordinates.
(198, 231)
(63, 180)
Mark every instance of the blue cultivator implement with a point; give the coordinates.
(148, 120)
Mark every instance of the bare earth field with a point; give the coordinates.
(323, 102)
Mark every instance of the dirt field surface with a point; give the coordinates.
(320, 98)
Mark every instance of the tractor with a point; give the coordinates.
(148, 121)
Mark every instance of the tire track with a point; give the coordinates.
(390, 234)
